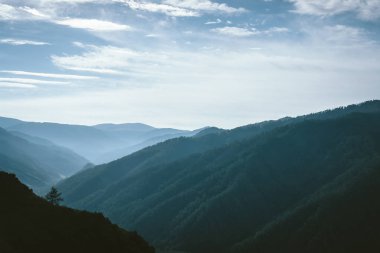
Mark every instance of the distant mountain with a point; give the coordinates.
(100, 143)
(8, 122)
(86, 141)
(37, 162)
(30, 224)
(215, 192)
(127, 127)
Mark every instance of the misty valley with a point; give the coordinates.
(189, 126)
(298, 184)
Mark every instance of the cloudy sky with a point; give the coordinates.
(185, 63)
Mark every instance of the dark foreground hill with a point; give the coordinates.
(30, 224)
(218, 192)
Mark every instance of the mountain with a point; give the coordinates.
(87, 141)
(30, 224)
(37, 162)
(148, 139)
(341, 217)
(8, 122)
(216, 192)
(99, 143)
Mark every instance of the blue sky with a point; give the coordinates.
(185, 64)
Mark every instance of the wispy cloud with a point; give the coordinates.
(365, 9)
(19, 42)
(9, 12)
(217, 21)
(16, 85)
(161, 8)
(183, 8)
(49, 75)
(24, 13)
(93, 25)
(246, 32)
(235, 31)
(205, 5)
(29, 81)
(104, 60)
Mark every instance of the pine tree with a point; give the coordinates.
(54, 196)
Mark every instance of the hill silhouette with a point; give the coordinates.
(31, 224)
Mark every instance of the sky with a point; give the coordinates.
(185, 63)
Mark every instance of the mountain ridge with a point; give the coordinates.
(170, 200)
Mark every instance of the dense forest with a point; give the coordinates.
(267, 187)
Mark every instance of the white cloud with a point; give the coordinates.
(107, 60)
(18, 42)
(29, 81)
(235, 31)
(339, 36)
(217, 21)
(204, 5)
(93, 24)
(16, 85)
(161, 8)
(49, 75)
(365, 9)
(24, 13)
(9, 12)
(246, 32)
(183, 8)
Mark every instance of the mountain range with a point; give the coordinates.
(304, 184)
(37, 162)
(100, 143)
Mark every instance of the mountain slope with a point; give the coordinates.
(39, 164)
(90, 182)
(342, 217)
(30, 224)
(210, 201)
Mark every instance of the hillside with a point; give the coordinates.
(30, 224)
(89, 182)
(38, 163)
(341, 217)
(210, 193)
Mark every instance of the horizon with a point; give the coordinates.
(185, 64)
(189, 129)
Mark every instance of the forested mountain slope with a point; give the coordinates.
(212, 192)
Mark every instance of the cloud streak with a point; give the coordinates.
(19, 42)
(94, 25)
(10, 85)
(365, 9)
(30, 81)
(183, 8)
(49, 75)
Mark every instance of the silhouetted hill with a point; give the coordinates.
(38, 163)
(209, 193)
(30, 224)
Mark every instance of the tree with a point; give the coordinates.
(54, 196)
